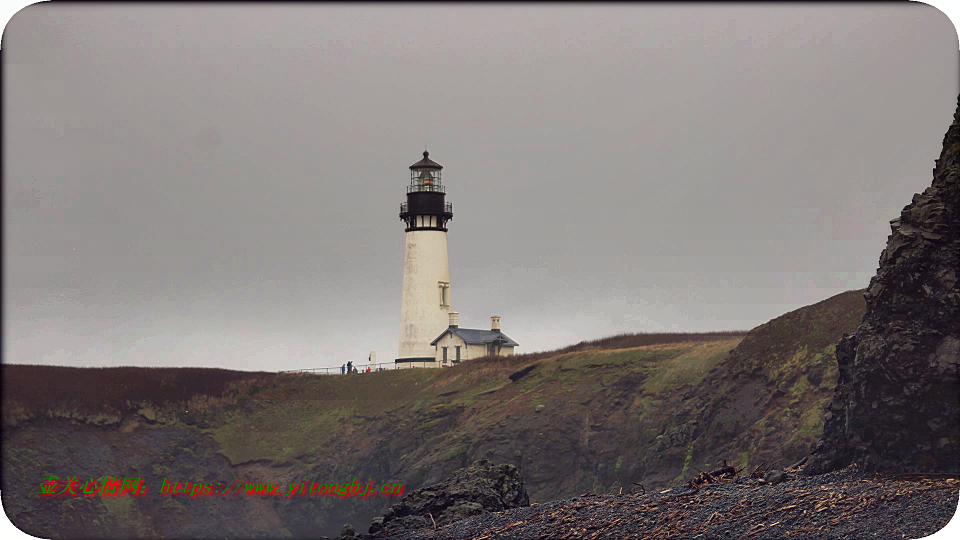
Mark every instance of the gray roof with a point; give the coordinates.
(473, 337)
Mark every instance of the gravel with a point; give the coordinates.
(843, 504)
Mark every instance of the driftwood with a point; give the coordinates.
(723, 473)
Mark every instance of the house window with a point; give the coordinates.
(444, 293)
(444, 355)
(458, 355)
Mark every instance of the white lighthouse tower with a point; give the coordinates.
(426, 271)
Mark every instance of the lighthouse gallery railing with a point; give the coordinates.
(447, 207)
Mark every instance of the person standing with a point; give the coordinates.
(350, 366)
(343, 369)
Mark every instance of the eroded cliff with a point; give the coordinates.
(897, 401)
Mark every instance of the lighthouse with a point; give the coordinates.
(425, 303)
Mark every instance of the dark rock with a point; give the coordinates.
(519, 374)
(348, 532)
(897, 402)
(775, 477)
(481, 487)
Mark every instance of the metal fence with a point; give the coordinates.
(362, 368)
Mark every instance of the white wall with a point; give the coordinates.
(425, 265)
(467, 352)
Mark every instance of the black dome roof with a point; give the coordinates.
(426, 163)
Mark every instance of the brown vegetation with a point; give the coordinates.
(101, 395)
(57, 391)
(621, 341)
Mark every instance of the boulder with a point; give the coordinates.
(481, 487)
(775, 477)
(348, 532)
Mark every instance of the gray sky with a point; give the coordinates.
(219, 185)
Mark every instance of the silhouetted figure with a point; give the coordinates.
(343, 369)
(350, 367)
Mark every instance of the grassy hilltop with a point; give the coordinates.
(595, 416)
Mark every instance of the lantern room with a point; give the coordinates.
(425, 175)
(425, 208)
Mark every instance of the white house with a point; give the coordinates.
(457, 344)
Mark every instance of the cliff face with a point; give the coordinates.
(897, 401)
(596, 417)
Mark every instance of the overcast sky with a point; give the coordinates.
(219, 185)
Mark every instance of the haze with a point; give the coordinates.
(218, 185)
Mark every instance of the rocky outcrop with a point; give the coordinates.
(480, 487)
(897, 401)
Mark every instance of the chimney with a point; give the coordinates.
(495, 323)
(454, 323)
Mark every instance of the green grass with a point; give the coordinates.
(125, 510)
(294, 420)
(689, 367)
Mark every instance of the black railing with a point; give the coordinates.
(362, 368)
(447, 207)
(429, 188)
